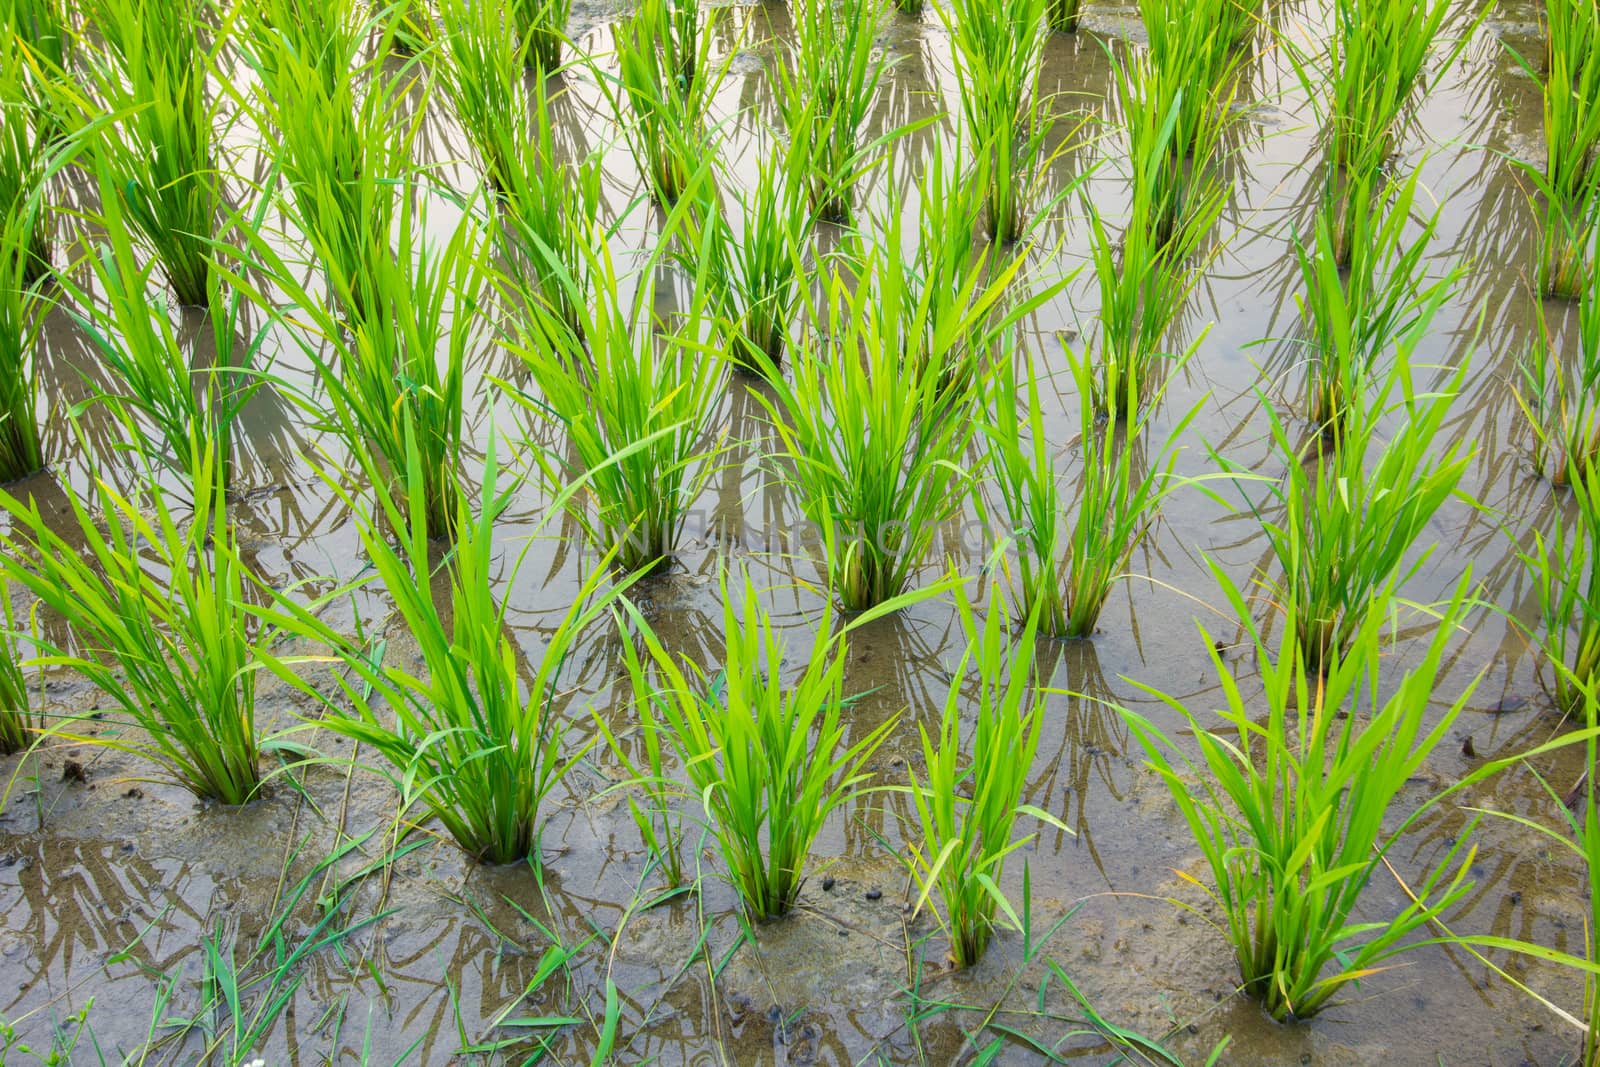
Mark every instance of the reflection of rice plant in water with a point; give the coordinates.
(1345, 524)
(476, 739)
(998, 49)
(161, 613)
(767, 755)
(967, 808)
(636, 409)
(826, 83)
(753, 266)
(1065, 570)
(163, 151)
(1292, 810)
(1354, 316)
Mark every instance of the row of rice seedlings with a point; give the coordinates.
(998, 50)
(968, 802)
(767, 756)
(160, 612)
(670, 131)
(132, 332)
(1353, 316)
(163, 152)
(826, 83)
(1560, 396)
(1564, 566)
(1291, 809)
(875, 423)
(396, 375)
(344, 142)
(1570, 178)
(1340, 524)
(1145, 280)
(752, 260)
(636, 410)
(1065, 570)
(478, 739)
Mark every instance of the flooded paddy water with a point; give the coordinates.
(113, 888)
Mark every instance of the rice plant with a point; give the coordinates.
(967, 808)
(131, 330)
(875, 424)
(17, 720)
(1194, 47)
(1146, 278)
(1569, 181)
(998, 48)
(769, 756)
(541, 28)
(827, 81)
(1343, 525)
(484, 78)
(1564, 567)
(1560, 397)
(477, 737)
(1353, 316)
(669, 129)
(160, 614)
(41, 33)
(344, 143)
(659, 821)
(164, 152)
(637, 411)
(21, 319)
(395, 376)
(24, 144)
(1292, 809)
(752, 263)
(1063, 15)
(1066, 567)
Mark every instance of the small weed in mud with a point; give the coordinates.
(1292, 810)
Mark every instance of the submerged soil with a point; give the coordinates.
(109, 883)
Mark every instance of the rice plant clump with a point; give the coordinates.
(161, 615)
(478, 738)
(751, 262)
(1564, 567)
(770, 757)
(24, 145)
(1343, 524)
(17, 721)
(21, 254)
(1067, 565)
(637, 411)
(670, 104)
(875, 423)
(1292, 811)
(1560, 397)
(827, 82)
(999, 50)
(967, 808)
(1353, 316)
(541, 27)
(164, 152)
